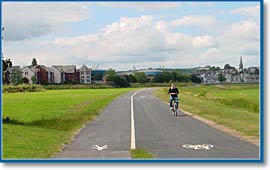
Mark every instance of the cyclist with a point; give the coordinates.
(173, 91)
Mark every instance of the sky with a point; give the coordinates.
(124, 35)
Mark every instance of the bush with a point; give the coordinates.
(76, 86)
(22, 88)
(136, 85)
(140, 77)
(118, 81)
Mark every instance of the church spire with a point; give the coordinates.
(241, 64)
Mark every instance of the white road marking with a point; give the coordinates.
(143, 96)
(132, 136)
(199, 146)
(100, 148)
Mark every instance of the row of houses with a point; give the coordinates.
(56, 74)
(247, 75)
(241, 75)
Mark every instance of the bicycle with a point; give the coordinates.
(175, 107)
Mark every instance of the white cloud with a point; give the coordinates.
(143, 6)
(123, 41)
(26, 20)
(202, 4)
(210, 54)
(246, 29)
(129, 40)
(128, 24)
(70, 41)
(144, 42)
(241, 38)
(202, 21)
(203, 41)
(252, 11)
(178, 41)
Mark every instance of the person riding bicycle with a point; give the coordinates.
(173, 91)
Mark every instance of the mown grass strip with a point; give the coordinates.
(235, 106)
(140, 154)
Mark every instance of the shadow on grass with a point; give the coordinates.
(67, 123)
(7, 120)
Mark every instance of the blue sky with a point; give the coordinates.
(102, 15)
(140, 34)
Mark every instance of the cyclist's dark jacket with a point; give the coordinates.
(174, 90)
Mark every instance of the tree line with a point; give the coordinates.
(140, 77)
(122, 80)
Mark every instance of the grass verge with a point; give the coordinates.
(22, 88)
(41, 122)
(140, 153)
(234, 106)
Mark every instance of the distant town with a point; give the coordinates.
(70, 74)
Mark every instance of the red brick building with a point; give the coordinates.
(42, 74)
(68, 72)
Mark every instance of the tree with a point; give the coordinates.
(131, 78)
(158, 78)
(34, 79)
(175, 76)
(118, 81)
(221, 78)
(16, 77)
(166, 76)
(186, 78)
(257, 71)
(141, 77)
(183, 78)
(6, 63)
(195, 79)
(25, 80)
(227, 66)
(34, 62)
(214, 68)
(97, 77)
(110, 72)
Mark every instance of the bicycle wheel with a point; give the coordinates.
(175, 109)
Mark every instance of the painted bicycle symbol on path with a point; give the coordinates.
(100, 148)
(198, 146)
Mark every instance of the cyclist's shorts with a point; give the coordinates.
(175, 99)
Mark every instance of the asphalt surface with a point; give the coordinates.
(157, 131)
(111, 128)
(164, 135)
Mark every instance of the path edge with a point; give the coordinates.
(227, 130)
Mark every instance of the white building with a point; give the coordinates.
(50, 75)
(85, 75)
(60, 73)
(56, 75)
(29, 72)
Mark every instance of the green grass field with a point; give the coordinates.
(141, 153)
(41, 122)
(234, 106)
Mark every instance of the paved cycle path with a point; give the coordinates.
(111, 128)
(156, 130)
(163, 134)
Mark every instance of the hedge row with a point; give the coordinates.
(160, 84)
(77, 86)
(110, 85)
(37, 88)
(22, 88)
